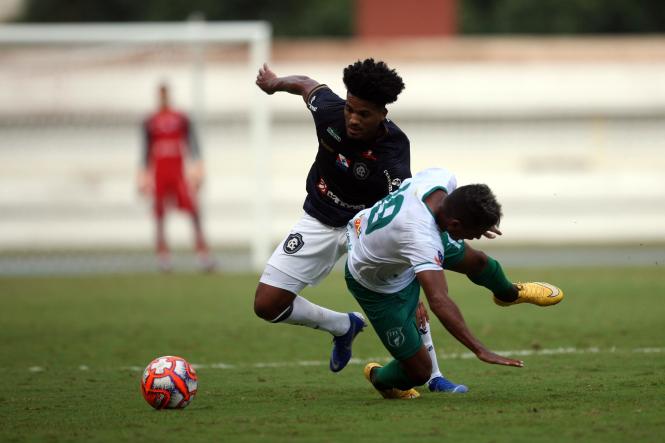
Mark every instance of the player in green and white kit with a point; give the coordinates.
(399, 245)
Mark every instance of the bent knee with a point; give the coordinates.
(263, 307)
(270, 302)
(262, 310)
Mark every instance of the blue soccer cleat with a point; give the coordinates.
(440, 384)
(341, 353)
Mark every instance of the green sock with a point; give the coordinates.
(391, 376)
(493, 278)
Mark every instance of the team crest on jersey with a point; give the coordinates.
(293, 243)
(395, 337)
(360, 171)
(356, 224)
(342, 162)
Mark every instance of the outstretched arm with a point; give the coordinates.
(436, 289)
(268, 81)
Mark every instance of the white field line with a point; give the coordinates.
(361, 361)
(440, 355)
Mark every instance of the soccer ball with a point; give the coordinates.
(169, 383)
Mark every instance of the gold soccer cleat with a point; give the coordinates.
(391, 393)
(536, 293)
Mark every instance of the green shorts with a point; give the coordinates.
(453, 251)
(393, 316)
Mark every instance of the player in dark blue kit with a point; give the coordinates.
(362, 156)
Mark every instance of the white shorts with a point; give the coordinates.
(307, 254)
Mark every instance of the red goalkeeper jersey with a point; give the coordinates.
(168, 140)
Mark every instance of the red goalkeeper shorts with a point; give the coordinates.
(173, 191)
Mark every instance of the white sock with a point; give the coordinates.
(306, 313)
(426, 335)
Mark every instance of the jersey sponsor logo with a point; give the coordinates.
(368, 155)
(293, 243)
(334, 134)
(342, 162)
(395, 337)
(322, 186)
(310, 104)
(166, 124)
(167, 148)
(393, 183)
(360, 171)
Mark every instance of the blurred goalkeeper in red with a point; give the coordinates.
(168, 176)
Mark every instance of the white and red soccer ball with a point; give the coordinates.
(169, 383)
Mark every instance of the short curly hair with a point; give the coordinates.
(373, 81)
(474, 206)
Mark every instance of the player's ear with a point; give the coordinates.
(447, 223)
(454, 224)
(455, 228)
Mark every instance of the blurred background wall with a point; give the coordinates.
(558, 106)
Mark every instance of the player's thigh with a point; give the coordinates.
(166, 192)
(392, 316)
(277, 287)
(309, 252)
(184, 196)
(160, 198)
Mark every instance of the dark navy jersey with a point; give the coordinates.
(349, 175)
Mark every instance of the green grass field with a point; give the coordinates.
(71, 348)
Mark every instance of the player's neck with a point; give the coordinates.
(434, 202)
